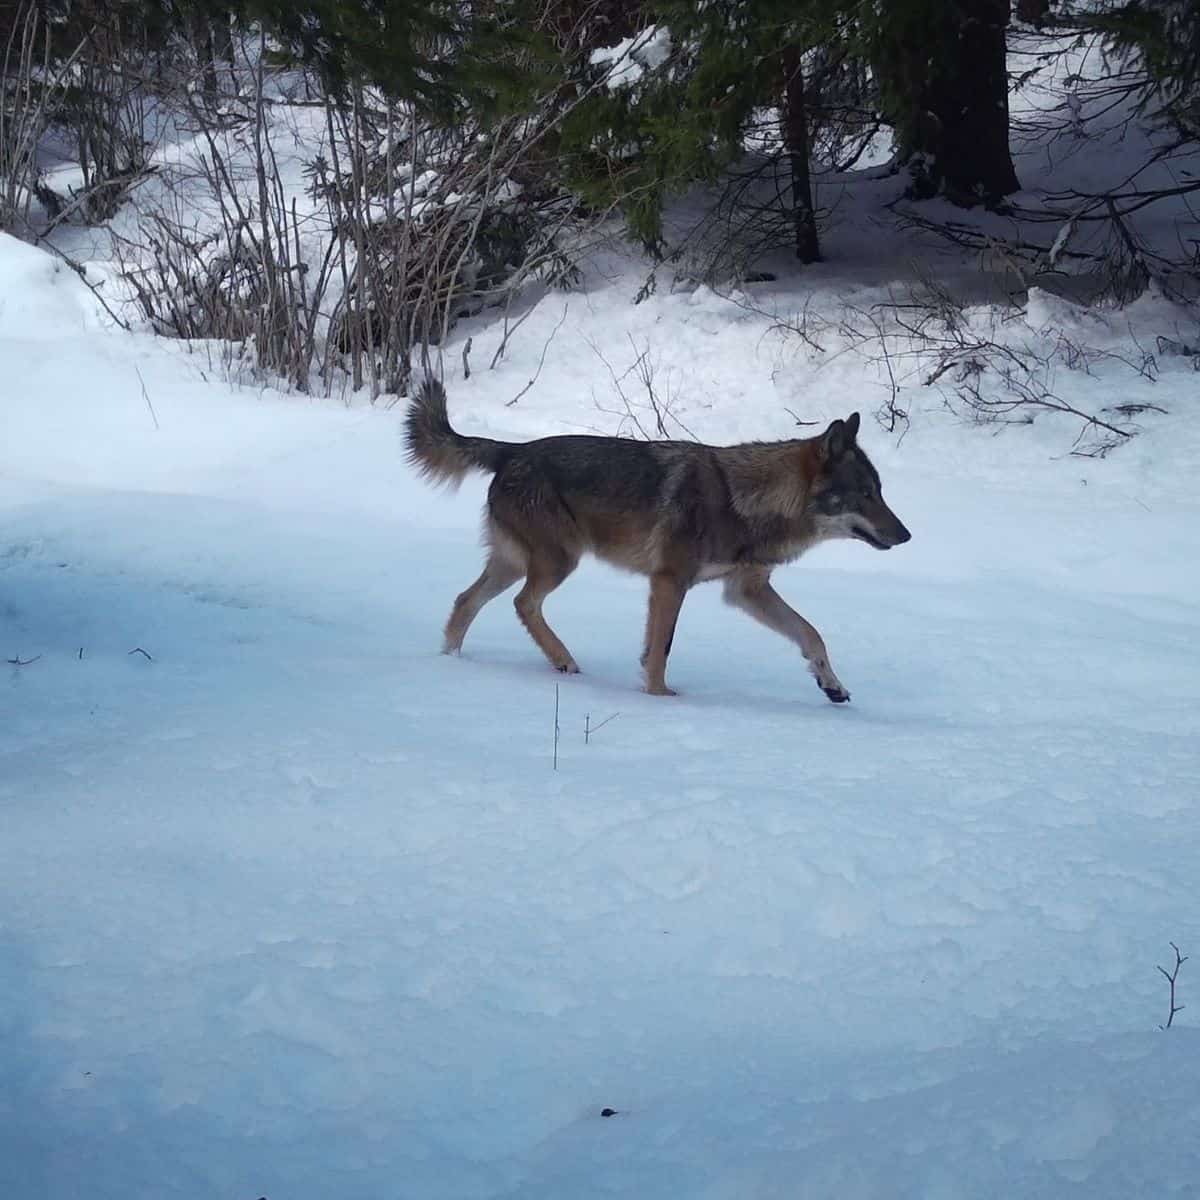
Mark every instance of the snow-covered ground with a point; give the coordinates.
(292, 906)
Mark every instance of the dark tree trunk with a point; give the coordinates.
(224, 44)
(795, 141)
(209, 55)
(1033, 11)
(948, 81)
(974, 110)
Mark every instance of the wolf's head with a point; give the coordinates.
(846, 496)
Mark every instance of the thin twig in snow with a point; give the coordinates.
(146, 397)
(1171, 978)
(555, 727)
(541, 361)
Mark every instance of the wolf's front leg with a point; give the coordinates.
(751, 591)
(666, 597)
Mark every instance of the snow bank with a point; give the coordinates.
(40, 296)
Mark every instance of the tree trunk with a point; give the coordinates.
(947, 81)
(207, 52)
(976, 157)
(795, 141)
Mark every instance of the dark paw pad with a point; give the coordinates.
(837, 695)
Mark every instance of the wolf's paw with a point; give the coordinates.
(570, 667)
(827, 681)
(661, 690)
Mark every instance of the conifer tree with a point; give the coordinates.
(936, 70)
(1166, 33)
(684, 118)
(943, 84)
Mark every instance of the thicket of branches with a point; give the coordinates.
(429, 194)
(465, 147)
(404, 223)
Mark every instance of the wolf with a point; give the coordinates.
(678, 512)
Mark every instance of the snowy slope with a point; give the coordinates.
(295, 907)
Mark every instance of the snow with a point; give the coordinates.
(38, 296)
(293, 906)
(627, 62)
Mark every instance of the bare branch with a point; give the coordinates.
(1171, 977)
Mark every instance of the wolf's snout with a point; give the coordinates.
(890, 530)
(885, 531)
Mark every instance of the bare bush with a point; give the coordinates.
(34, 79)
(221, 255)
(650, 411)
(106, 110)
(1004, 375)
(431, 226)
(399, 226)
(83, 79)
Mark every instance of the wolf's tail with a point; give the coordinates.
(435, 448)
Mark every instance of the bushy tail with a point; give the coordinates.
(433, 445)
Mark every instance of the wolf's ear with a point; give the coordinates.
(852, 426)
(834, 441)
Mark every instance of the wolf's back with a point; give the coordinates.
(436, 448)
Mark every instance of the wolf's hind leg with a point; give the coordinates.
(546, 571)
(751, 591)
(500, 573)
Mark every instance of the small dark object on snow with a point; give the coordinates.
(1168, 345)
(139, 650)
(1135, 410)
(608, 1112)
(760, 277)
